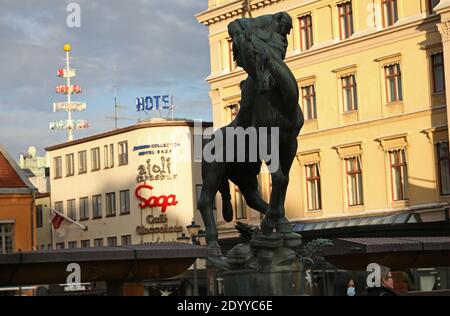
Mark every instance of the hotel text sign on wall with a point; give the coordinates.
(156, 102)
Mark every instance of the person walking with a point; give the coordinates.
(386, 287)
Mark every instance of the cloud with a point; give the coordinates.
(155, 47)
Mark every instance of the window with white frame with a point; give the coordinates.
(306, 32)
(443, 168)
(95, 159)
(71, 209)
(349, 93)
(98, 242)
(97, 206)
(108, 152)
(70, 165)
(111, 241)
(6, 238)
(84, 208)
(57, 167)
(126, 240)
(345, 20)
(39, 210)
(313, 187)
(309, 102)
(123, 153)
(111, 204)
(437, 64)
(354, 181)
(399, 174)
(124, 202)
(393, 77)
(59, 206)
(82, 161)
(390, 12)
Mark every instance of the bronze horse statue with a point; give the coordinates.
(269, 99)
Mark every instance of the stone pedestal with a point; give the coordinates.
(251, 283)
(266, 265)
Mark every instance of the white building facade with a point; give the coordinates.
(131, 185)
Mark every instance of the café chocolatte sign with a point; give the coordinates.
(162, 201)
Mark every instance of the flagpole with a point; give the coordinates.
(68, 218)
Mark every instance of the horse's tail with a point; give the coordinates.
(227, 209)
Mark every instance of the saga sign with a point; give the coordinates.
(156, 102)
(162, 201)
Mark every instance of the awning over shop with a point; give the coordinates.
(111, 264)
(432, 221)
(401, 218)
(396, 253)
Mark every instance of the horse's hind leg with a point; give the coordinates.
(212, 179)
(249, 189)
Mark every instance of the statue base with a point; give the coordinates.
(253, 283)
(265, 265)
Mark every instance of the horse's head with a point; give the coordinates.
(254, 58)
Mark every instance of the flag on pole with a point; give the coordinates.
(59, 221)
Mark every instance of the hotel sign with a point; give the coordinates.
(156, 102)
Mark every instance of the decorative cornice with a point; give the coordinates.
(230, 10)
(444, 29)
(333, 50)
(431, 132)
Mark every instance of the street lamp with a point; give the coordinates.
(197, 237)
(193, 230)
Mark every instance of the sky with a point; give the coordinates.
(145, 47)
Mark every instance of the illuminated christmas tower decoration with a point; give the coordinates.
(69, 106)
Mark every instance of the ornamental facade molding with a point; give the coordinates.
(230, 10)
(444, 29)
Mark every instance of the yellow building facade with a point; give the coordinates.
(372, 89)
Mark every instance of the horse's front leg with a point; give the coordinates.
(276, 212)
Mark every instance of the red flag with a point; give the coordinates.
(57, 220)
